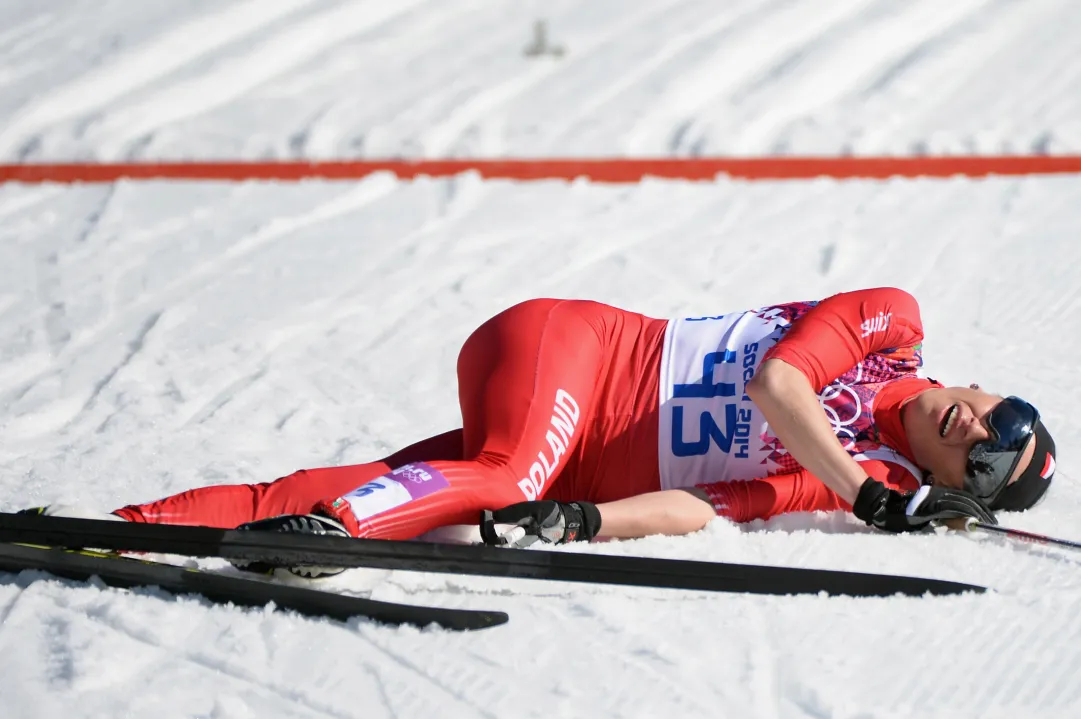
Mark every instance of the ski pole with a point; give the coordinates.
(972, 524)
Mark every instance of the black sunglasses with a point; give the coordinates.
(992, 462)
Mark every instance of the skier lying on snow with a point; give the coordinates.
(581, 419)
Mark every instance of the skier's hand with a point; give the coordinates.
(543, 520)
(894, 511)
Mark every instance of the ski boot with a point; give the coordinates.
(314, 524)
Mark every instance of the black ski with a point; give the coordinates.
(124, 572)
(291, 550)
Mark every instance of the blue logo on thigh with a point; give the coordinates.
(368, 488)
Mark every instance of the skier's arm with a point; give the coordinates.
(682, 511)
(801, 491)
(835, 336)
(672, 511)
(669, 511)
(791, 407)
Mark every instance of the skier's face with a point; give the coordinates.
(943, 424)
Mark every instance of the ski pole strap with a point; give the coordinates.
(1023, 536)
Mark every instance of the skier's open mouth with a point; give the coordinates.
(947, 422)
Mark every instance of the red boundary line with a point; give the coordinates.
(599, 170)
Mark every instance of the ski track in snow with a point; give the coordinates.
(287, 326)
(157, 336)
(360, 78)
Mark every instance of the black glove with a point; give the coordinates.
(544, 520)
(893, 511)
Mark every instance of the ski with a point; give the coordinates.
(292, 550)
(125, 572)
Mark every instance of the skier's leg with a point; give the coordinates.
(527, 380)
(233, 504)
(519, 443)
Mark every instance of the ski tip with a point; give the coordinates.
(892, 586)
(897, 585)
(486, 619)
(941, 588)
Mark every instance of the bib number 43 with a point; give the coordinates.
(736, 421)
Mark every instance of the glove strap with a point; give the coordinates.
(583, 521)
(870, 500)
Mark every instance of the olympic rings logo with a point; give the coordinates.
(843, 398)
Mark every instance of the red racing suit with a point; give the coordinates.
(577, 400)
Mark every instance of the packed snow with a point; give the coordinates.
(201, 79)
(156, 336)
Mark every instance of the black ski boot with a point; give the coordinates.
(316, 524)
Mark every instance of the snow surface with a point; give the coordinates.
(156, 336)
(117, 79)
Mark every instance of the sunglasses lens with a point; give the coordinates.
(1013, 420)
(990, 463)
